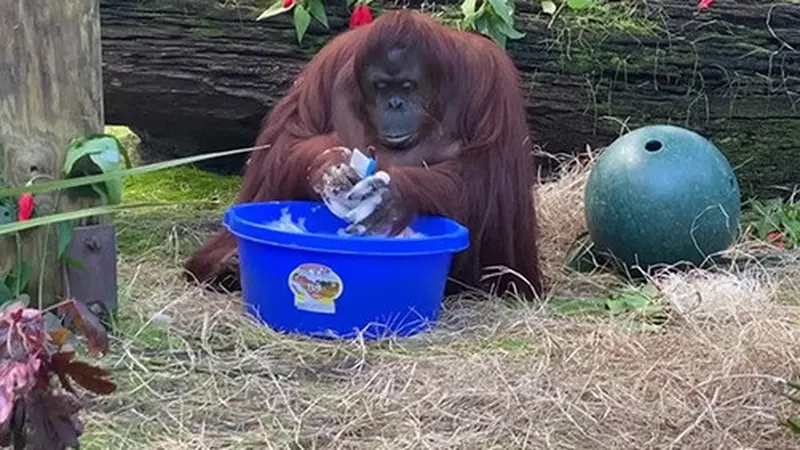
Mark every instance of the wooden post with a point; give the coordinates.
(50, 92)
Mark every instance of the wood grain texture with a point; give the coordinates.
(50, 92)
(198, 75)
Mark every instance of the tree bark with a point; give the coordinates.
(193, 76)
(51, 92)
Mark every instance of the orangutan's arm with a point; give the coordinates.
(434, 190)
(285, 171)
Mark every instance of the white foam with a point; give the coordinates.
(408, 233)
(285, 223)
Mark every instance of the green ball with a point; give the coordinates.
(662, 194)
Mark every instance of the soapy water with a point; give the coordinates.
(407, 233)
(285, 223)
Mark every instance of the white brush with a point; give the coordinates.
(362, 164)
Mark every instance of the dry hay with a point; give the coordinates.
(195, 373)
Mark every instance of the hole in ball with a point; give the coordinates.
(652, 146)
(33, 169)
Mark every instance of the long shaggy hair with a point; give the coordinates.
(487, 186)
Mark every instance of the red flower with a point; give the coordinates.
(361, 16)
(287, 3)
(775, 238)
(704, 4)
(25, 207)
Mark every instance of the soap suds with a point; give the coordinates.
(408, 233)
(285, 223)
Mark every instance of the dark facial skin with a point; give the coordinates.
(394, 86)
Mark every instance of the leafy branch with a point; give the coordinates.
(36, 348)
(493, 18)
(775, 221)
(91, 169)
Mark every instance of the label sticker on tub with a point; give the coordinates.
(316, 287)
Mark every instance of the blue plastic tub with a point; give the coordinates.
(322, 284)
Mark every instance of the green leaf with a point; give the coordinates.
(794, 384)
(793, 424)
(6, 296)
(317, 10)
(497, 36)
(570, 307)
(64, 233)
(83, 213)
(548, 7)
(468, 8)
(504, 9)
(302, 19)
(19, 277)
(509, 31)
(633, 301)
(6, 215)
(89, 180)
(109, 160)
(96, 154)
(102, 192)
(616, 306)
(73, 262)
(792, 398)
(488, 27)
(578, 4)
(274, 10)
(24, 300)
(80, 147)
(468, 22)
(125, 156)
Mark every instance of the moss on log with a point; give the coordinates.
(198, 75)
(50, 80)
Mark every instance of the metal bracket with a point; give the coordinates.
(94, 284)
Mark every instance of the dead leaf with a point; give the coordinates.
(53, 420)
(91, 377)
(59, 363)
(12, 431)
(548, 7)
(17, 378)
(87, 324)
(60, 336)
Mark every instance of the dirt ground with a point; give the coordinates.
(195, 373)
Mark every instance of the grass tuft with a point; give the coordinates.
(196, 373)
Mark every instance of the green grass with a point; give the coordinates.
(214, 379)
(181, 184)
(620, 17)
(145, 230)
(146, 333)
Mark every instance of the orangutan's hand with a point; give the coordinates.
(331, 177)
(378, 209)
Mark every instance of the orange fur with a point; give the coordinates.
(475, 165)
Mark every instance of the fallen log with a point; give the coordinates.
(192, 76)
